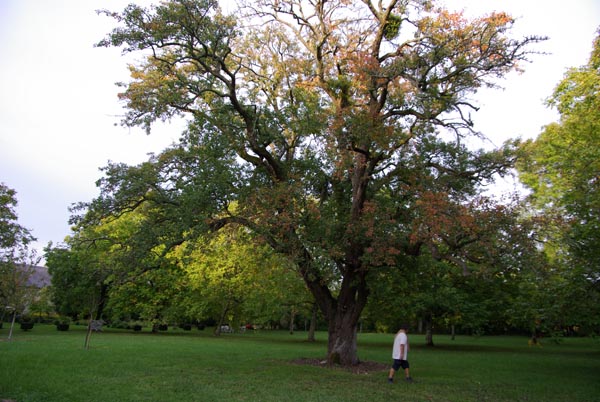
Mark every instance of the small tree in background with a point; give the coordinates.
(17, 260)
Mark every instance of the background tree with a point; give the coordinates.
(561, 169)
(322, 122)
(475, 297)
(16, 258)
(237, 281)
(105, 273)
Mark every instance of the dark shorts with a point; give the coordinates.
(400, 363)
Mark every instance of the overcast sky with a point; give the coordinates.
(58, 101)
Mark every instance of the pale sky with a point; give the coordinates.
(58, 101)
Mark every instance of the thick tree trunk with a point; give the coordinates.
(342, 316)
(342, 312)
(343, 322)
(342, 345)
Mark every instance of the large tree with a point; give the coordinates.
(561, 168)
(335, 126)
(563, 162)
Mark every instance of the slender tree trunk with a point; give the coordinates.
(93, 308)
(222, 319)
(313, 324)
(292, 318)
(12, 324)
(102, 301)
(88, 334)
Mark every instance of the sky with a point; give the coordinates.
(59, 112)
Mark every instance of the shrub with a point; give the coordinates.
(26, 325)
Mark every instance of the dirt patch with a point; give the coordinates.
(365, 367)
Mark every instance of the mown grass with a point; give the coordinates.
(47, 365)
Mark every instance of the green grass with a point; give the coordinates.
(47, 365)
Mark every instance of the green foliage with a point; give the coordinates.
(561, 168)
(16, 258)
(233, 280)
(562, 163)
(391, 29)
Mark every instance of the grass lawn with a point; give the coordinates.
(48, 365)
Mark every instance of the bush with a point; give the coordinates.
(26, 325)
(62, 326)
(62, 323)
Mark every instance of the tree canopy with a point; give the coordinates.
(335, 128)
(564, 160)
(561, 168)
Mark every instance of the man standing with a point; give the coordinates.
(400, 354)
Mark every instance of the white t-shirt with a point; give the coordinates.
(400, 339)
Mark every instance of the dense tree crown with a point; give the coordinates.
(334, 127)
(563, 162)
(561, 167)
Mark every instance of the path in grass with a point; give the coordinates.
(47, 365)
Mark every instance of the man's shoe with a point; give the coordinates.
(391, 380)
(409, 379)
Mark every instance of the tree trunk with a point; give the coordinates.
(224, 312)
(428, 331)
(343, 323)
(101, 301)
(313, 324)
(12, 324)
(342, 312)
(292, 319)
(341, 348)
(88, 335)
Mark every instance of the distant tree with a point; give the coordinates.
(77, 284)
(16, 258)
(42, 305)
(236, 281)
(102, 267)
(561, 167)
(474, 298)
(335, 126)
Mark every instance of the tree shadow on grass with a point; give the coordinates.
(364, 367)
